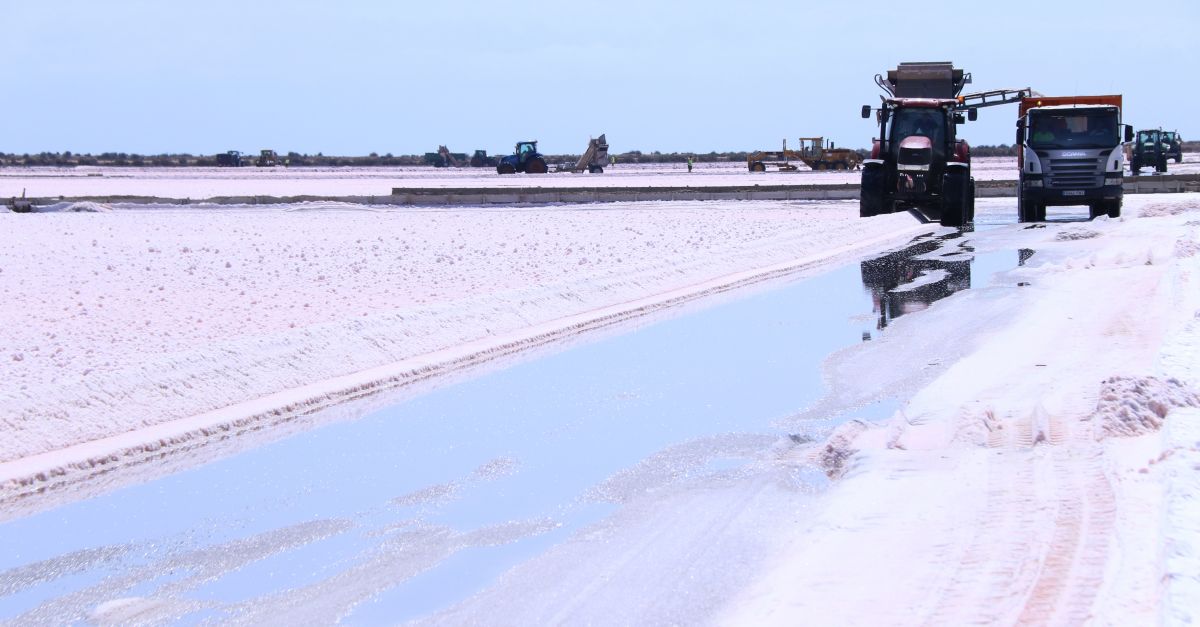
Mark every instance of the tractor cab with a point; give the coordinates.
(918, 140)
(525, 150)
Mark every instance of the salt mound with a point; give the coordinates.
(1186, 248)
(1069, 235)
(76, 207)
(834, 456)
(1160, 209)
(1132, 406)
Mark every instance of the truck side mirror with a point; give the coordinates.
(972, 114)
(1020, 136)
(866, 111)
(1128, 133)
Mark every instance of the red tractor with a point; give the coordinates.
(917, 161)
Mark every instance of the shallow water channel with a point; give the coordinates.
(422, 504)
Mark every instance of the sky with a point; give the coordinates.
(362, 76)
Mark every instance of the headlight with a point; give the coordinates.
(1113, 180)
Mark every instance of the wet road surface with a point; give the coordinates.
(420, 505)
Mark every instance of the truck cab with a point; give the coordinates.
(1070, 152)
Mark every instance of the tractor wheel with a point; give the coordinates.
(1161, 166)
(971, 201)
(536, 165)
(955, 187)
(758, 166)
(505, 168)
(1134, 166)
(1179, 159)
(871, 192)
(820, 165)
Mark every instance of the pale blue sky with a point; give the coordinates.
(354, 77)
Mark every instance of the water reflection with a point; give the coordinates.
(912, 278)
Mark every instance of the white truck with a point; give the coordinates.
(1070, 152)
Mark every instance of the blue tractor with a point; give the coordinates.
(525, 158)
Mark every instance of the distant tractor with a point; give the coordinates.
(481, 160)
(267, 159)
(231, 159)
(525, 158)
(1175, 143)
(1149, 149)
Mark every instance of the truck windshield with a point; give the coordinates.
(1073, 129)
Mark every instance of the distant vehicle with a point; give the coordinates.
(1149, 149)
(593, 159)
(481, 160)
(1069, 151)
(1175, 141)
(267, 159)
(443, 158)
(812, 153)
(525, 158)
(231, 159)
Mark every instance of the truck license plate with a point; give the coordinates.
(1073, 192)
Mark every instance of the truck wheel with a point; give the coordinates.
(1029, 211)
(871, 196)
(536, 165)
(505, 168)
(1114, 208)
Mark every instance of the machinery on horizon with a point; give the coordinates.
(525, 158)
(267, 159)
(593, 159)
(443, 158)
(812, 153)
(917, 161)
(481, 160)
(230, 159)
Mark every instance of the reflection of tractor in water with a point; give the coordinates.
(525, 158)
(909, 280)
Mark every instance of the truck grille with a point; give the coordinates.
(1068, 173)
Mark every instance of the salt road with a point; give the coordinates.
(412, 510)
